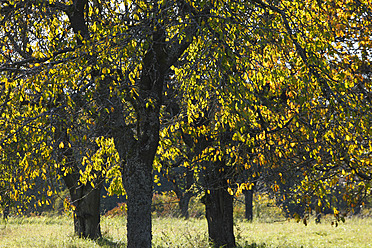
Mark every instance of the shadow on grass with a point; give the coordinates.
(105, 242)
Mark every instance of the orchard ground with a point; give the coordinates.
(269, 229)
(57, 231)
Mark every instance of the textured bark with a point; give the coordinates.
(138, 185)
(137, 176)
(219, 214)
(138, 156)
(137, 180)
(87, 205)
(85, 198)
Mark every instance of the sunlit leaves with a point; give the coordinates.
(288, 81)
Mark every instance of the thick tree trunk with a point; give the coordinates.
(219, 213)
(87, 215)
(138, 185)
(218, 204)
(86, 201)
(85, 198)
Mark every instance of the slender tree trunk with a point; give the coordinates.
(6, 212)
(248, 195)
(184, 204)
(219, 214)
(248, 198)
(182, 190)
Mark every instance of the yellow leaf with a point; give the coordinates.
(61, 145)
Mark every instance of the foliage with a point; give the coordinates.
(120, 210)
(165, 205)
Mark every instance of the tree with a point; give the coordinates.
(72, 50)
(281, 93)
(274, 70)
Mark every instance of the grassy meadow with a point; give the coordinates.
(173, 232)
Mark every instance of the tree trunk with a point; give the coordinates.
(219, 214)
(86, 201)
(182, 188)
(137, 148)
(6, 212)
(138, 185)
(248, 197)
(184, 204)
(85, 198)
(218, 204)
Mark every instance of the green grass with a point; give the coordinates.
(173, 232)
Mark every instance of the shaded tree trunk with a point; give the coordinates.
(219, 205)
(137, 145)
(85, 198)
(182, 186)
(219, 214)
(138, 155)
(6, 212)
(248, 202)
(248, 195)
(184, 205)
(86, 201)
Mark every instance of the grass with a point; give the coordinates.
(173, 232)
